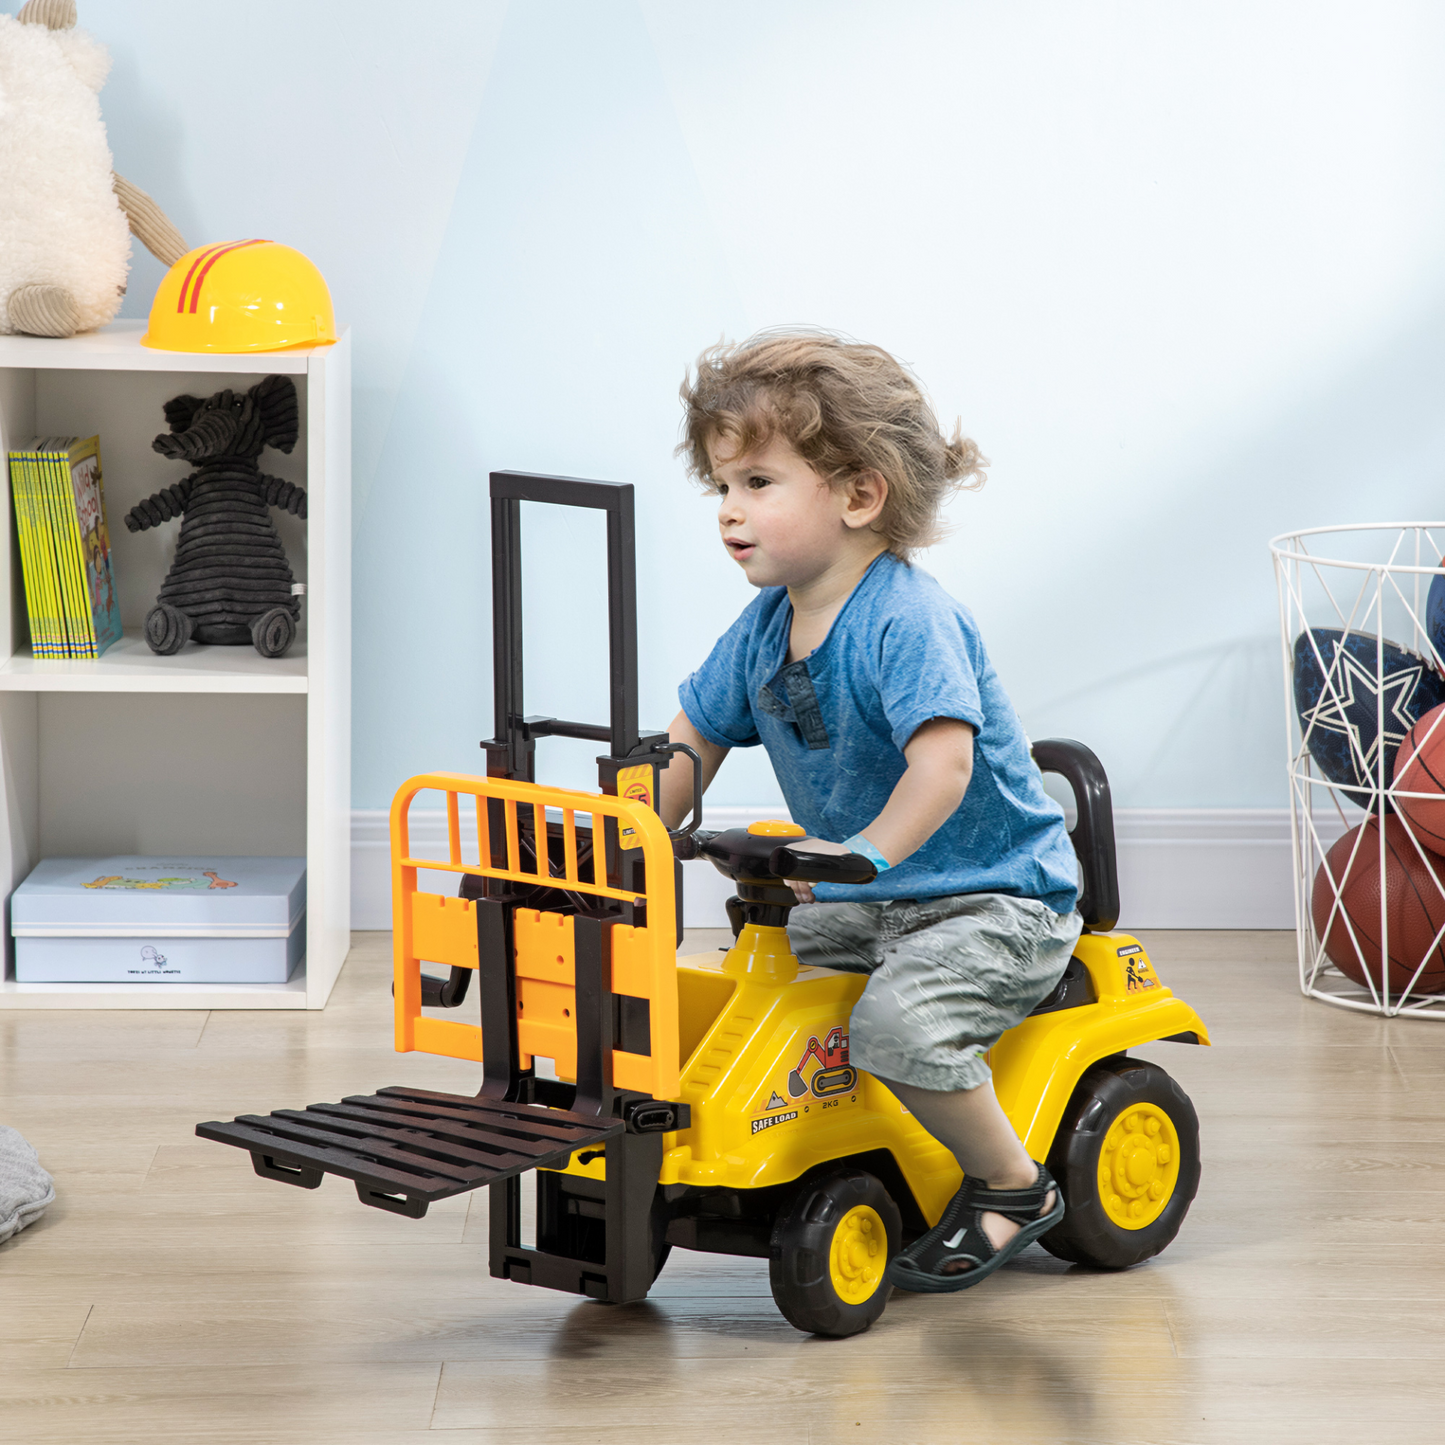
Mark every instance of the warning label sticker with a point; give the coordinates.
(634, 784)
(767, 1123)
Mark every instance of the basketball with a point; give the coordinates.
(1415, 909)
(1420, 768)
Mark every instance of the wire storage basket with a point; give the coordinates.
(1362, 627)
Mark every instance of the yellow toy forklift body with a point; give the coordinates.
(707, 1102)
(765, 1110)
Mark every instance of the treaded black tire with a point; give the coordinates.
(1087, 1235)
(802, 1239)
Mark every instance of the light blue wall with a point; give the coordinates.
(1178, 268)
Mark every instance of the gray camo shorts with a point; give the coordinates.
(947, 976)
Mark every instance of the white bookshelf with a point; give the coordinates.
(214, 750)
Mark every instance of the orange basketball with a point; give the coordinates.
(1414, 908)
(1420, 768)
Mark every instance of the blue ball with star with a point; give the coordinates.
(1435, 613)
(1340, 704)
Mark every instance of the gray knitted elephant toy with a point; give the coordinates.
(230, 582)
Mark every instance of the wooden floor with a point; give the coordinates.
(170, 1295)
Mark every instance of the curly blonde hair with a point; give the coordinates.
(845, 408)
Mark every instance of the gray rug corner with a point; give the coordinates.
(26, 1190)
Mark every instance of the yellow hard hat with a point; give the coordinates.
(241, 296)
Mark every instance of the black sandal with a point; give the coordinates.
(958, 1237)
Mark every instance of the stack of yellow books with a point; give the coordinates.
(64, 547)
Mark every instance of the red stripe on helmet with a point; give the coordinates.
(200, 256)
(211, 261)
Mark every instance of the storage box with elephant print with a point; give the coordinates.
(160, 920)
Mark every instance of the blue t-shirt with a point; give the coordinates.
(901, 651)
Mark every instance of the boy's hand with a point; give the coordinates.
(803, 892)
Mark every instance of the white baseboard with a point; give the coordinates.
(1178, 867)
(1205, 868)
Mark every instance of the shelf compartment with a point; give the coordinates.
(130, 666)
(114, 777)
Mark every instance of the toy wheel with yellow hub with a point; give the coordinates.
(830, 1251)
(1127, 1159)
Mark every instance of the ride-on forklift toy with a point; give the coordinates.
(707, 1102)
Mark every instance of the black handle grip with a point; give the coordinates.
(810, 867)
(691, 826)
(444, 992)
(1093, 835)
(509, 490)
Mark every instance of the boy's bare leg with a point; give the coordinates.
(972, 1124)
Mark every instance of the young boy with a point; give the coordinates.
(890, 736)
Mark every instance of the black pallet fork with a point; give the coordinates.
(404, 1148)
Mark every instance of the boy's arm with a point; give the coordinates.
(940, 763)
(676, 786)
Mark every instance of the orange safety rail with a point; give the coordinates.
(440, 930)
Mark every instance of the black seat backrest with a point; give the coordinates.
(1093, 834)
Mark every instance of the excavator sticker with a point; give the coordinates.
(832, 1074)
(822, 1071)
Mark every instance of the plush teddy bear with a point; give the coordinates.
(64, 213)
